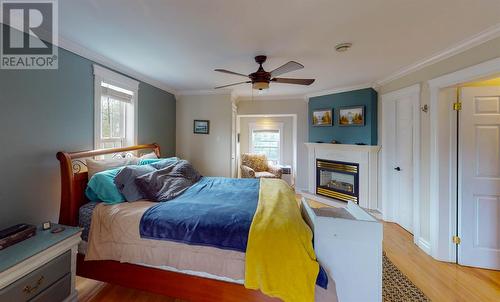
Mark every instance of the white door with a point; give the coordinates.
(400, 139)
(479, 169)
(403, 163)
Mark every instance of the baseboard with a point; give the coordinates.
(299, 190)
(424, 245)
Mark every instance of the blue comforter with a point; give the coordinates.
(214, 212)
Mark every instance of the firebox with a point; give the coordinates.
(338, 180)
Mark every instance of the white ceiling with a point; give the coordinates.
(179, 43)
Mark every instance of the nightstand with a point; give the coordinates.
(41, 268)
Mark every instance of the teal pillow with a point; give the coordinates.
(158, 161)
(101, 187)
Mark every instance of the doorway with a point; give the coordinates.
(463, 214)
(280, 145)
(400, 133)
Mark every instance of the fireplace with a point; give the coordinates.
(338, 180)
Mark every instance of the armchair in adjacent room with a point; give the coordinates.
(257, 166)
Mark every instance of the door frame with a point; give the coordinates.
(443, 185)
(294, 138)
(387, 123)
(234, 142)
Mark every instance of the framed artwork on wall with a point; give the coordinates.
(201, 127)
(352, 116)
(322, 117)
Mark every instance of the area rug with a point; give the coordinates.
(396, 287)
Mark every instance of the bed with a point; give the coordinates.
(134, 269)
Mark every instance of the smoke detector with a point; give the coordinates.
(341, 47)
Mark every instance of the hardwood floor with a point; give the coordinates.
(438, 280)
(96, 291)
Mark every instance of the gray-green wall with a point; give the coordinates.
(46, 111)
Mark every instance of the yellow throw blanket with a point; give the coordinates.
(280, 259)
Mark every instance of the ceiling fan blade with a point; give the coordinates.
(293, 81)
(233, 84)
(288, 67)
(231, 72)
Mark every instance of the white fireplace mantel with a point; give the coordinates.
(364, 155)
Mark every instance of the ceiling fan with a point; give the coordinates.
(260, 79)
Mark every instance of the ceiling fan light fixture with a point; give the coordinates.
(261, 78)
(260, 85)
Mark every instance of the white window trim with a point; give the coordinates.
(102, 74)
(269, 126)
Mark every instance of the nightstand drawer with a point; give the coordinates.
(38, 280)
(56, 292)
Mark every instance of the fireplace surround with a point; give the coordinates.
(365, 157)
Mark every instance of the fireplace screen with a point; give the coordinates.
(337, 179)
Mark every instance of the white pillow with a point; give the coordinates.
(151, 155)
(96, 166)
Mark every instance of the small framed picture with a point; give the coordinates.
(201, 127)
(352, 116)
(322, 117)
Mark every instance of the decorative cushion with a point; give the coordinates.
(96, 166)
(264, 175)
(258, 162)
(151, 155)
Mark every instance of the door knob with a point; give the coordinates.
(397, 169)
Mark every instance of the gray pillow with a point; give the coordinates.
(125, 181)
(167, 183)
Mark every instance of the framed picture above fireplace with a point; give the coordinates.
(352, 116)
(322, 117)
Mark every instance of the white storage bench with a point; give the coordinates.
(348, 244)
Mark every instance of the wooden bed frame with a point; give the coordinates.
(74, 180)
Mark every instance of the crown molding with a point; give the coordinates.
(82, 51)
(206, 92)
(86, 53)
(475, 40)
(339, 90)
(271, 98)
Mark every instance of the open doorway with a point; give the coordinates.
(274, 135)
(472, 109)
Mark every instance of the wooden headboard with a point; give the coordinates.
(74, 177)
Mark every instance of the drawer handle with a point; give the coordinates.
(28, 289)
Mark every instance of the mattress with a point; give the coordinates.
(114, 235)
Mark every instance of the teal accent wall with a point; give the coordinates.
(346, 135)
(46, 111)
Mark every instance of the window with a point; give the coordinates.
(115, 104)
(267, 139)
